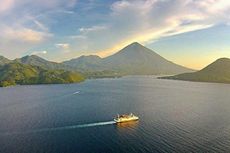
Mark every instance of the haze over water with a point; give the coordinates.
(175, 116)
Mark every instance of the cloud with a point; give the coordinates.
(40, 4)
(6, 5)
(149, 20)
(62, 46)
(42, 52)
(78, 37)
(92, 29)
(37, 24)
(212, 6)
(22, 34)
(101, 27)
(25, 24)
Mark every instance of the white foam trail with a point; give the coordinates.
(95, 124)
(62, 128)
(77, 92)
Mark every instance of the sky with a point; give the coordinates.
(191, 33)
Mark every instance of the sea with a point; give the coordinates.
(174, 116)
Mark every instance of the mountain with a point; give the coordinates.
(17, 73)
(134, 59)
(4, 60)
(137, 59)
(218, 71)
(85, 63)
(38, 61)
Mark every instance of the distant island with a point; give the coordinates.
(218, 71)
(134, 59)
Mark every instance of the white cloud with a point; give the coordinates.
(46, 4)
(150, 20)
(6, 5)
(92, 29)
(62, 45)
(42, 52)
(213, 6)
(22, 34)
(22, 27)
(38, 24)
(78, 37)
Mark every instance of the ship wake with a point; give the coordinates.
(62, 128)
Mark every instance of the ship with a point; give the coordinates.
(125, 118)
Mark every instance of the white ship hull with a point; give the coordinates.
(121, 120)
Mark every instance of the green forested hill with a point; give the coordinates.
(4, 60)
(35, 60)
(17, 73)
(218, 71)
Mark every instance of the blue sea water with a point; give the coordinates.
(175, 116)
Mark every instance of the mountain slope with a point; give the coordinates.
(134, 59)
(137, 59)
(38, 61)
(17, 73)
(4, 60)
(85, 63)
(218, 71)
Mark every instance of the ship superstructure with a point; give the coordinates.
(125, 118)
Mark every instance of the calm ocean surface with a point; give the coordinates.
(175, 116)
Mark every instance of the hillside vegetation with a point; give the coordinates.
(21, 74)
(218, 71)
